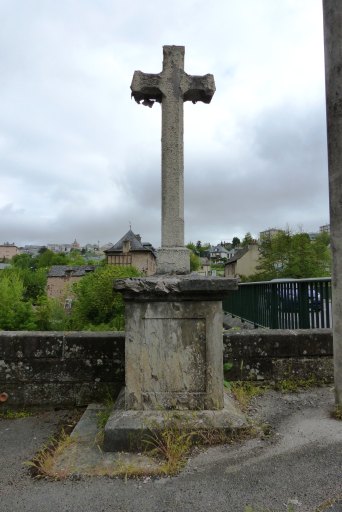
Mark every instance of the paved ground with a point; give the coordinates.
(299, 464)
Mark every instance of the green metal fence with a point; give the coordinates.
(283, 303)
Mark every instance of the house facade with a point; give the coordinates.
(8, 251)
(218, 252)
(61, 278)
(243, 263)
(130, 250)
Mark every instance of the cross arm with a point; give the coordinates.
(145, 87)
(198, 88)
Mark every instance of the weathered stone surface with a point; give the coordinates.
(277, 343)
(171, 88)
(272, 355)
(126, 429)
(169, 259)
(260, 355)
(174, 288)
(57, 368)
(174, 355)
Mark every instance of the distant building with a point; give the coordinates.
(59, 248)
(61, 278)
(325, 228)
(218, 252)
(269, 233)
(32, 249)
(243, 263)
(8, 251)
(205, 267)
(313, 236)
(64, 248)
(75, 245)
(130, 250)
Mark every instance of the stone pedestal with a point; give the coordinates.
(174, 356)
(173, 260)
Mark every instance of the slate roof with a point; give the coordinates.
(239, 253)
(136, 244)
(75, 271)
(218, 248)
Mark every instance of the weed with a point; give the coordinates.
(328, 504)
(244, 391)
(294, 385)
(171, 444)
(103, 417)
(10, 414)
(43, 463)
(226, 367)
(337, 412)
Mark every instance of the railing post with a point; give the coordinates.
(303, 304)
(274, 322)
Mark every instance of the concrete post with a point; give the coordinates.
(332, 13)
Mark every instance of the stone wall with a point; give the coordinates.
(273, 355)
(75, 368)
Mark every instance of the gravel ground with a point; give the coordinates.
(300, 464)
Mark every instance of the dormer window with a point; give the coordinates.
(126, 247)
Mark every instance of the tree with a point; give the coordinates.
(16, 314)
(96, 305)
(293, 255)
(247, 240)
(200, 248)
(50, 315)
(24, 261)
(195, 262)
(236, 241)
(192, 247)
(48, 258)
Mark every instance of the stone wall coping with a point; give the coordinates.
(65, 334)
(175, 287)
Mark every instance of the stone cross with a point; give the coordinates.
(171, 88)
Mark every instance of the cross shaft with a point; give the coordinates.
(171, 88)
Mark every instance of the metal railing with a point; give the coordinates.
(283, 303)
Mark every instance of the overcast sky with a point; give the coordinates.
(80, 158)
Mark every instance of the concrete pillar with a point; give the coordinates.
(332, 14)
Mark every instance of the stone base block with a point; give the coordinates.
(173, 260)
(127, 429)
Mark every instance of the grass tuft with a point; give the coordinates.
(244, 391)
(10, 414)
(43, 463)
(337, 412)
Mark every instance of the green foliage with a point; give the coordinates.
(15, 312)
(247, 240)
(24, 261)
(96, 305)
(195, 262)
(48, 258)
(200, 248)
(192, 247)
(244, 391)
(293, 255)
(34, 282)
(9, 414)
(236, 241)
(337, 412)
(50, 315)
